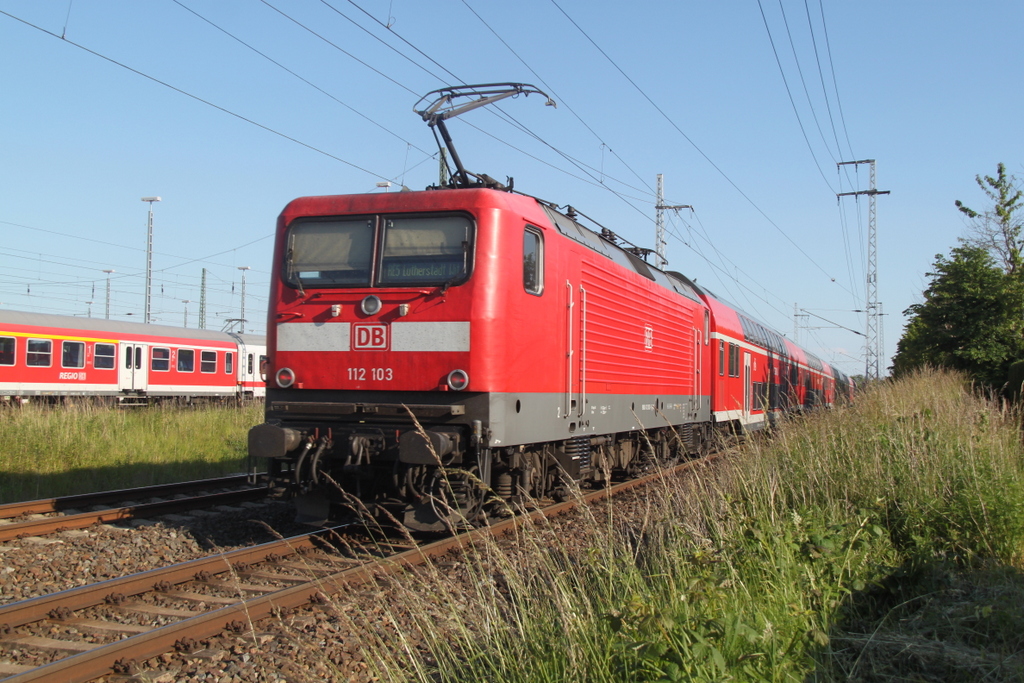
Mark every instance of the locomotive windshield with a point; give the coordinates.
(385, 251)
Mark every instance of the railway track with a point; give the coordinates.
(51, 515)
(84, 633)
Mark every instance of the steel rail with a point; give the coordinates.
(49, 525)
(51, 505)
(99, 661)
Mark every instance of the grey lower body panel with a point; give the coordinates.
(516, 419)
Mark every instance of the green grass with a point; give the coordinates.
(50, 451)
(878, 542)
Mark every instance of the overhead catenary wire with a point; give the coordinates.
(194, 97)
(789, 92)
(701, 152)
(273, 61)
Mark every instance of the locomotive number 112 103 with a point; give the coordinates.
(376, 374)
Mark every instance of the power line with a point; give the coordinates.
(558, 97)
(789, 92)
(296, 75)
(698, 149)
(835, 83)
(194, 97)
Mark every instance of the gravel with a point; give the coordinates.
(316, 643)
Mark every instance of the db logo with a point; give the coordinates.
(367, 337)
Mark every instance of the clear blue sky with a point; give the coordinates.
(692, 90)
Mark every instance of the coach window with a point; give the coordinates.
(103, 356)
(229, 363)
(208, 361)
(186, 360)
(721, 357)
(72, 354)
(7, 349)
(533, 262)
(40, 352)
(248, 366)
(161, 359)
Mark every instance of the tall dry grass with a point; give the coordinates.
(804, 558)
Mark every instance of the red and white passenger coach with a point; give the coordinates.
(53, 356)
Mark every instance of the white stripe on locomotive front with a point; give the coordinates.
(405, 336)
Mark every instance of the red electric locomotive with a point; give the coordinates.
(426, 347)
(528, 351)
(45, 355)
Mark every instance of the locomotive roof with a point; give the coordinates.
(101, 325)
(605, 243)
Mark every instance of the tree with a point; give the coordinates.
(998, 230)
(972, 318)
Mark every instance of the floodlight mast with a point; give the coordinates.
(442, 108)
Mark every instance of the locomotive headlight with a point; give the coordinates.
(370, 305)
(285, 378)
(458, 380)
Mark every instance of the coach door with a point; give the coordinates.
(698, 357)
(134, 367)
(748, 387)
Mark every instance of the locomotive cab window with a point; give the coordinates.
(72, 354)
(103, 356)
(7, 349)
(336, 253)
(533, 262)
(395, 251)
(425, 250)
(40, 353)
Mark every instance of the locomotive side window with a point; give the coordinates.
(40, 352)
(533, 262)
(335, 253)
(72, 354)
(103, 356)
(426, 250)
(186, 360)
(229, 363)
(208, 361)
(7, 349)
(161, 359)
